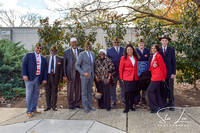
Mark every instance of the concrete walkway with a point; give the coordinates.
(182, 120)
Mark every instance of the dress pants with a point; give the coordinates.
(113, 90)
(154, 96)
(74, 88)
(170, 103)
(104, 89)
(51, 91)
(86, 86)
(32, 94)
(130, 93)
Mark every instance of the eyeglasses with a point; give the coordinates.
(116, 42)
(88, 46)
(39, 48)
(102, 54)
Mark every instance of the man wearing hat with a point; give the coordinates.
(144, 55)
(72, 76)
(85, 66)
(115, 53)
(34, 72)
(55, 75)
(168, 54)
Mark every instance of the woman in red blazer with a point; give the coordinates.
(129, 75)
(158, 75)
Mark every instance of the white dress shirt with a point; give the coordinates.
(164, 48)
(50, 59)
(118, 49)
(132, 60)
(90, 55)
(76, 53)
(153, 57)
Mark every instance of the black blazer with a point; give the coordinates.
(59, 68)
(29, 67)
(145, 56)
(68, 63)
(170, 61)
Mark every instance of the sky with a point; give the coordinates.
(45, 8)
(42, 7)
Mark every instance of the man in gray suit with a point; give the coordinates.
(85, 66)
(72, 76)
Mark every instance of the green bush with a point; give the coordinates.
(11, 55)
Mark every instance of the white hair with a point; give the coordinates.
(102, 50)
(73, 39)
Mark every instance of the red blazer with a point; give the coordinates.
(158, 69)
(126, 69)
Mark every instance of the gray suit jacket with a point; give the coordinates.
(68, 63)
(83, 64)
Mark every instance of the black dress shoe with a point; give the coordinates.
(54, 109)
(71, 108)
(132, 109)
(47, 109)
(108, 109)
(114, 104)
(153, 111)
(126, 111)
(171, 109)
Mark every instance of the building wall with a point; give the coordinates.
(29, 37)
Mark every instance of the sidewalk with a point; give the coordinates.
(182, 120)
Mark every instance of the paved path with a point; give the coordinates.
(182, 120)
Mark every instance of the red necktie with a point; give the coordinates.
(38, 65)
(164, 51)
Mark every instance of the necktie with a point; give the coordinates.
(164, 51)
(75, 54)
(38, 65)
(52, 65)
(90, 57)
(117, 50)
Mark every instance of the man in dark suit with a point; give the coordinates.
(168, 54)
(115, 53)
(55, 75)
(34, 72)
(72, 76)
(144, 55)
(85, 66)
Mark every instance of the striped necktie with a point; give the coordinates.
(38, 65)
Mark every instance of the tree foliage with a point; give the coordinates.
(11, 55)
(188, 47)
(51, 35)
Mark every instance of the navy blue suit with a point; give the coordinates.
(170, 62)
(112, 54)
(115, 57)
(145, 56)
(29, 67)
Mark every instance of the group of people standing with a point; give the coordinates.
(79, 69)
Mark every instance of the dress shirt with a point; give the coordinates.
(132, 60)
(50, 59)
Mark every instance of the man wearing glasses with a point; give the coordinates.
(85, 66)
(34, 72)
(115, 53)
(55, 75)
